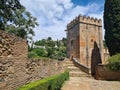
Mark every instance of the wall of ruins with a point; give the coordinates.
(16, 69)
(15, 72)
(12, 46)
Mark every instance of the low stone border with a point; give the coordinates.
(103, 73)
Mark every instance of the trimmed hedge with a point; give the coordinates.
(51, 83)
(114, 63)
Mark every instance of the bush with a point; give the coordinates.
(51, 83)
(114, 62)
(40, 51)
(37, 52)
(32, 55)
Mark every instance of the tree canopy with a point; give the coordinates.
(112, 25)
(49, 48)
(15, 19)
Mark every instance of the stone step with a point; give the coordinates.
(73, 68)
(70, 64)
(78, 74)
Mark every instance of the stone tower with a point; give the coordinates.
(82, 33)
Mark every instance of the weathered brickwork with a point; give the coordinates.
(16, 69)
(82, 33)
(15, 72)
(12, 46)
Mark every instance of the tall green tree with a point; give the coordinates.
(41, 42)
(15, 19)
(112, 25)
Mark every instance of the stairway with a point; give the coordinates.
(76, 78)
(82, 81)
(75, 71)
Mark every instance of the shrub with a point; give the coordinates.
(32, 55)
(114, 62)
(40, 51)
(51, 83)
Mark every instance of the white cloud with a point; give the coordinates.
(54, 15)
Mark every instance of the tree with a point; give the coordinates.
(50, 44)
(112, 25)
(15, 19)
(49, 39)
(6, 8)
(41, 42)
(50, 52)
(64, 40)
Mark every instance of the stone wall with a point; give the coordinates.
(12, 46)
(106, 55)
(15, 72)
(16, 69)
(103, 73)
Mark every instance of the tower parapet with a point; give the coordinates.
(85, 19)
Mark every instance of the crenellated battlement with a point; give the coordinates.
(85, 19)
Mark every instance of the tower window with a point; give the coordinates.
(91, 40)
(71, 43)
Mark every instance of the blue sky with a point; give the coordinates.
(85, 2)
(54, 15)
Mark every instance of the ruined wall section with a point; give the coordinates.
(15, 72)
(12, 46)
(16, 69)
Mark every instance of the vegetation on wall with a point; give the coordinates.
(51, 83)
(48, 48)
(15, 19)
(114, 63)
(112, 25)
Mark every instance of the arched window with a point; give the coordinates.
(71, 43)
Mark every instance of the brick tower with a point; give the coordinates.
(82, 32)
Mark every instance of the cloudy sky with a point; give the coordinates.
(54, 15)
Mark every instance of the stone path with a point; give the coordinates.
(80, 81)
(86, 83)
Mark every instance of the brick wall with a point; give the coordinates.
(16, 69)
(12, 46)
(15, 72)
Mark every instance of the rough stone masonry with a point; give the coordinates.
(12, 46)
(16, 69)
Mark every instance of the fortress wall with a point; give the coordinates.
(12, 46)
(16, 69)
(15, 72)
